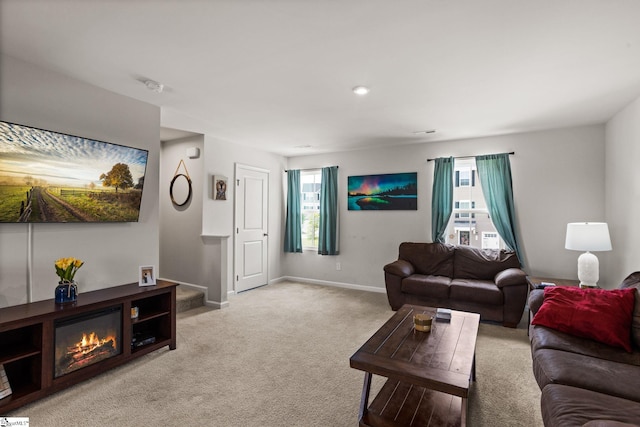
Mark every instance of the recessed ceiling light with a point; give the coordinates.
(360, 90)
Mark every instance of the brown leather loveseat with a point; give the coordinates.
(485, 281)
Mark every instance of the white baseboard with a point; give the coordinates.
(218, 304)
(329, 283)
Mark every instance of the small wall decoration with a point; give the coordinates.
(147, 276)
(180, 187)
(219, 187)
(396, 191)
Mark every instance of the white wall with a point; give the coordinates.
(623, 192)
(112, 252)
(368, 239)
(218, 216)
(558, 177)
(197, 240)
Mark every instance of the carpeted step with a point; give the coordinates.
(187, 298)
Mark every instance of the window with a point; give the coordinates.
(470, 223)
(464, 208)
(310, 205)
(464, 178)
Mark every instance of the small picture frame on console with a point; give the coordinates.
(147, 276)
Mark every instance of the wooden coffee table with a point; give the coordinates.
(428, 372)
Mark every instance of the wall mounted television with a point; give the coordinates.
(51, 177)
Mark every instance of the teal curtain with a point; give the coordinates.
(441, 198)
(328, 230)
(293, 221)
(494, 171)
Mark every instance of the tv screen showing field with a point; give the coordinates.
(47, 176)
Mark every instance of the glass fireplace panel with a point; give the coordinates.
(84, 340)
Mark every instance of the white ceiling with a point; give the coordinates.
(277, 74)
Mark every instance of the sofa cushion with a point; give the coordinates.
(599, 314)
(428, 286)
(604, 376)
(633, 281)
(435, 259)
(543, 337)
(571, 407)
(482, 264)
(479, 291)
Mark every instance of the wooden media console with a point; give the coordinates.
(27, 336)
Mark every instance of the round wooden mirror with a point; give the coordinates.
(180, 189)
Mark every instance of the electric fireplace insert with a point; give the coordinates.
(81, 341)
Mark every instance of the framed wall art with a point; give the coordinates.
(386, 192)
(219, 187)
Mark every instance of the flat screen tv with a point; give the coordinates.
(48, 176)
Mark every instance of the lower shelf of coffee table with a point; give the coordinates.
(402, 404)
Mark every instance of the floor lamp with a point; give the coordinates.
(588, 236)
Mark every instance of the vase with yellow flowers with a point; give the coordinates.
(67, 289)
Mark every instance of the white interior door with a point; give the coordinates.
(252, 204)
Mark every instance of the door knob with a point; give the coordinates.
(265, 234)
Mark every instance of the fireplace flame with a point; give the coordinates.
(91, 342)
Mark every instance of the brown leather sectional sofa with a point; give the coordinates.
(585, 382)
(488, 282)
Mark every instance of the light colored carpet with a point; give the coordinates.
(279, 356)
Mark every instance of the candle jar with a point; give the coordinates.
(422, 322)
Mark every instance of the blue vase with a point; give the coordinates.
(66, 292)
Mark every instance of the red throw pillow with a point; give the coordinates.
(599, 314)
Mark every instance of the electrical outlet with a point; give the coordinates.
(338, 266)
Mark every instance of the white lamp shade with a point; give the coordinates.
(588, 236)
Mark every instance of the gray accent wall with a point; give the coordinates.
(112, 253)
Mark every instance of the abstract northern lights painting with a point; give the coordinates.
(395, 191)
